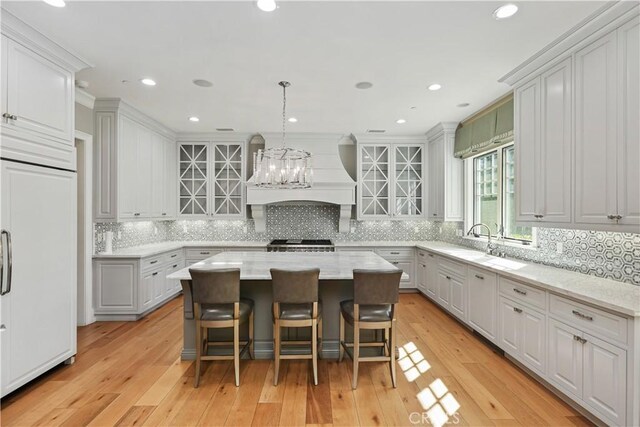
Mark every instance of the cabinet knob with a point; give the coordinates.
(517, 310)
(154, 274)
(448, 277)
(136, 214)
(13, 117)
(618, 217)
(538, 216)
(164, 213)
(611, 216)
(175, 265)
(6, 115)
(479, 277)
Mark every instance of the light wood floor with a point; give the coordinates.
(129, 373)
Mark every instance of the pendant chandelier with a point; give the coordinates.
(282, 167)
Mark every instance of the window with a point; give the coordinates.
(494, 195)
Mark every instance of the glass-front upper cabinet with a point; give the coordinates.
(194, 179)
(391, 178)
(228, 180)
(212, 179)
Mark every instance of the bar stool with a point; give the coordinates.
(373, 307)
(296, 305)
(217, 304)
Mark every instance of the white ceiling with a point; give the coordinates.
(322, 48)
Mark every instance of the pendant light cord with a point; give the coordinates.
(284, 113)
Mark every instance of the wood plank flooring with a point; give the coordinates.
(130, 374)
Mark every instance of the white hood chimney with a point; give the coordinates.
(331, 182)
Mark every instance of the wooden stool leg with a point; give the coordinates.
(341, 339)
(386, 342)
(356, 353)
(314, 350)
(320, 338)
(236, 350)
(276, 351)
(251, 344)
(392, 353)
(198, 353)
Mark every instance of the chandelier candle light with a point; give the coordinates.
(282, 167)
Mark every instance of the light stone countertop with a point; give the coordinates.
(620, 297)
(152, 249)
(256, 265)
(379, 244)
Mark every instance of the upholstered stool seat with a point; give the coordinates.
(303, 311)
(225, 311)
(368, 313)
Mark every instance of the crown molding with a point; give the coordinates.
(603, 20)
(440, 129)
(85, 98)
(23, 33)
(117, 105)
(214, 136)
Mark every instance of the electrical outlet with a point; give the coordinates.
(352, 230)
(416, 229)
(440, 230)
(559, 247)
(245, 229)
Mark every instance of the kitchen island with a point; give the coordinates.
(336, 284)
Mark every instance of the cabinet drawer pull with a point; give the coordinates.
(421, 255)
(395, 253)
(538, 216)
(518, 291)
(13, 117)
(611, 216)
(204, 253)
(395, 263)
(431, 255)
(174, 255)
(579, 339)
(153, 262)
(154, 274)
(164, 213)
(480, 277)
(582, 315)
(136, 214)
(517, 310)
(175, 265)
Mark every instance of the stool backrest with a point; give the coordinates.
(295, 286)
(376, 286)
(215, 286)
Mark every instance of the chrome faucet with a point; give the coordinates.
(490, 246)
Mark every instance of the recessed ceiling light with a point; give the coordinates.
(464, 104)
(292, 120)
(401, 121)
(194, 119)
(506, 11)
(364, 85)
(147, 81)
(202, 83)
(434, 86)
(55, 3)
(267, 5)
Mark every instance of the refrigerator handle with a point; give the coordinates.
(9, 266)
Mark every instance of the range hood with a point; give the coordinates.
(331, 182)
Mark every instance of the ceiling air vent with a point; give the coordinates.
(224, 129)
(376, 131)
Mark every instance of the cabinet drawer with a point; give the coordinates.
(395, 253)
(453, 267)
(589, 319)
(202, 253)
(523, 293)
(174, 256)
(152, 262)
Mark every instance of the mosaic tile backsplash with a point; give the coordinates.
(611, 255)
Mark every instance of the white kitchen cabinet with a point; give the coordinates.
(431, 276)
(596, 131)
(589, 369)
(37, 97)
(445, 173)
(523, 334)
(132, 180)
(212, 179)
(576, 128)
(391, 176)
(421, 271)
(483, 295)
(404, 259)
(452, 287)
(543, 152)
(628, 153)
(128, 288)
(38, 308)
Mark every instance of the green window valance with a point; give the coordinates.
(492, 128)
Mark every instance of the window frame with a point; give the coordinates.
(470, 202)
